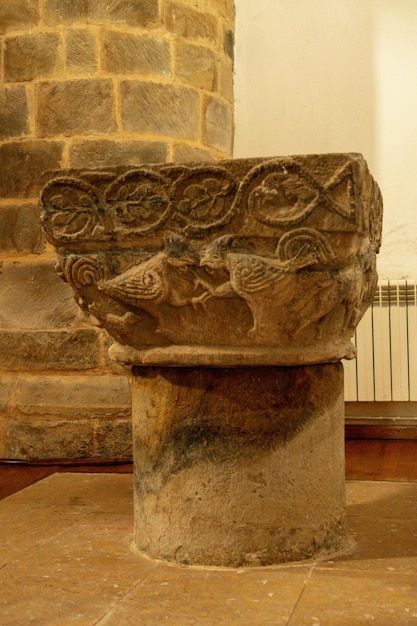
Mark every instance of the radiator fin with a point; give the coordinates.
(386, 340)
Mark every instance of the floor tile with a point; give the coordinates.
(339, 597)
(183, 596)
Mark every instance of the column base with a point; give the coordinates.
(239, 467)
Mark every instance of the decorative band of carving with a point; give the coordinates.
(201, 200)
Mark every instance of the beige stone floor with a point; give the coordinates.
(66, 557)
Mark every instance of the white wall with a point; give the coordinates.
(336, 76)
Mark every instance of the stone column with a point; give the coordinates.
(239, 466)
(86, 84)
(233, 289)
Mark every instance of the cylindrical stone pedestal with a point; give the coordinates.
(239, 466)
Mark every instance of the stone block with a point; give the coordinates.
(196, 66)
(75, 107)
(64, 11)
(17, 14)
(186, 22)
(161, 109)
(23, 163)
(49, 350)
(226, 79)
(7, 385)
(113, 439)
(14, 112)
(20, 229)
(81, 52)
(51, 300)
(104, 153)
(45, 439)
(218, 125)
(74, 396)
(143, 13)
(189, 154)
(27, 57)
(125, 53)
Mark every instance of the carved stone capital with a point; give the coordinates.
(246, 262)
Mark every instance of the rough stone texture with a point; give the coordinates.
(57, 12)
(113, 439)
(226, 79)
(20, 229)
(75, 107)
(32, 56)
(36, 283)
(23, 163)
(17, 14)
(7, 385)
(238, 467)
(125, 53)
(196, 66)
(73, 396)
(184, 153)
(217, 121)
(14, 112)
(81, 52)
(103, 153)
(247, 262)
(164, 109)
(37, 439)
(143, 13)
(186, 22)
(49, 350)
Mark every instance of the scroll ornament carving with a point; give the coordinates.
(246, 262)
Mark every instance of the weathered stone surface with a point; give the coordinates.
(23, 163)
(64, 11)
(188, 23)
(226, 79)
(188, 154)
(27, 57)
(238, 467)
(229, 43)
(126, 53)
(20, 229)
(143, 13)
(37, 350)
(73, 396)
(217, 124)
(246, 262)
(14, 112)
(75, 107)
(113, 438)
(196, 66)
(103, 153)
(51, 303)
(81, 52)
(17, 14)
(7, 385)
(46, 439)
(162, 109)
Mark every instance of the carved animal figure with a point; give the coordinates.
(164, 278)
(252, 277)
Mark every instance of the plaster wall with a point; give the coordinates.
(335, 76)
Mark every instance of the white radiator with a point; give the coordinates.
(386, 340)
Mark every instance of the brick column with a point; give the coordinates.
(89, 83)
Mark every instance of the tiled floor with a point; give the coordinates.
(66, 557)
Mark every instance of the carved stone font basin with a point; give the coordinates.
(233, 289)
(246, 262)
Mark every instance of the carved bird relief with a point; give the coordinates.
(254, 278)
(161, 279)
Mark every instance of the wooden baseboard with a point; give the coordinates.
(366, 428)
